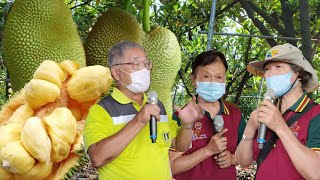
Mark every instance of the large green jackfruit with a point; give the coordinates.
(38, 30)
(111, 27)
(163, 49)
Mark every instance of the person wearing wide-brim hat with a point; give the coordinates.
(293, 122)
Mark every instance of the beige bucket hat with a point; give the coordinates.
(289, 54)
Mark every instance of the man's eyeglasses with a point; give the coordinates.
(138, 65)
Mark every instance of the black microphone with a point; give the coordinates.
(153, 99)
(218, 123)
(262, 132)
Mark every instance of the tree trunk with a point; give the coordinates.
(243, 82)
(286, 16)
(305, 30)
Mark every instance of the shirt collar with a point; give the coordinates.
(223, 107)
(123, 99)
(300, 104)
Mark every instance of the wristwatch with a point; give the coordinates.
(245, 138)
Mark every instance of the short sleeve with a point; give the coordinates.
(313, 140)
(98, 126)
(242, 126)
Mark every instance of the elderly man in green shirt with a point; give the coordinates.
(116, 133)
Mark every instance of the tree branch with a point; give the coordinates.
(87, 2)
(305, 30)
(70, 2)
(257, 22)
(268, 19)
(243, 82)
(287, 19)
(208, 17)
(316, 45)
(184, 84)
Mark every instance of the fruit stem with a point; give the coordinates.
(146, 16)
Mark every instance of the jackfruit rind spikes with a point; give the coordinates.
(40, 92)
(69, 66)
(89, 83)
(111, 27)
(10, 107)
(5, 175)
(162, 48)
(21, 114)
(62, 123)
(38, 172)
(36, 30)
(35, 139)
(60, 170)
(9, 133)
(60, 148)
(15, 158)
(50, 71)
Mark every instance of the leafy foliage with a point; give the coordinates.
(186, 18)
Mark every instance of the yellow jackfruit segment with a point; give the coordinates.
(15, 158)
(9, 133)
(62, 123)
(40, 92)
(69, 67)
(50, 71)
(89, 83)
(60, 148)
(5, 175)
(21, 114)
(38, 172)
(35, 139)
(10, 107)
(78, 143)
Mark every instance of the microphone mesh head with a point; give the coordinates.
(152, 94)
(270, 95)
(152, 97)
(218, 123)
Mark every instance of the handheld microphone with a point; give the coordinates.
(262, 132)
(153, 99)
(218, 123)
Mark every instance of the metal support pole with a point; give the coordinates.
(211, 24)
(259, 94)
(253, 35)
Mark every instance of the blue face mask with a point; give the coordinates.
(280, 84)
(211, 91)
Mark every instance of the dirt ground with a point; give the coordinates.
(89, 173)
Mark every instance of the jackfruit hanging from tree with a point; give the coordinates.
(163, 49)
(111, 27)
(36, 30)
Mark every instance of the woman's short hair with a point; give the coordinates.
(304, 76)
(208, 57)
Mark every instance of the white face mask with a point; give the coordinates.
(140, 81)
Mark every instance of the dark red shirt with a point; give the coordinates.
(278, 165)
(202, 132)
